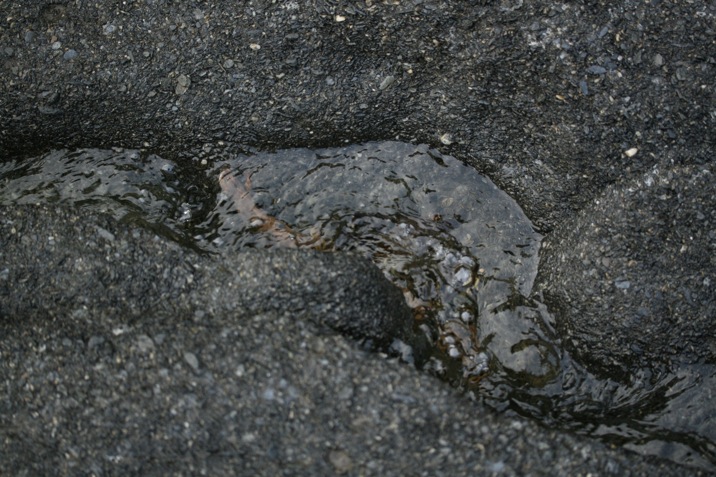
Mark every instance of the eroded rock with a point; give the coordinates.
(75, 269)
(632, 277)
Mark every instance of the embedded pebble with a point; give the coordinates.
(183, 84)
(584, 88)
(192, 361)
(95, 341)
(446, 139)
(145, 345)
(340, 460)
(105, 234)
(385, 84)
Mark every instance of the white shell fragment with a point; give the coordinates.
(631, 152)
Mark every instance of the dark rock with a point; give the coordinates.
(213, 388)
(503, 78)
(101, 268)
(632, 275)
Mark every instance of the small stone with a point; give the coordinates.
(94, 342)
(340, 18)
(192, 361)
(385, 84)
(584, 88)
(658, 60)
(183, 83)
(229, 64)
(345, 393)
(255, 46)
(146, 345)
(631, 152)
(167, 169)
(105, 234)
(596, 70)
(108, 29)
(446, 139)
(340, 461)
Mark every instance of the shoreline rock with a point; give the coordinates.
(633, 276)
(554, 102)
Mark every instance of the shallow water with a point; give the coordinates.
(447, 236)
(462, 251)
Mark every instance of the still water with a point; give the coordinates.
(461, 250)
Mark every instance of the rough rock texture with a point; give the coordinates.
(147, 362)
(634, 274)
(544, 97)
(125, 274)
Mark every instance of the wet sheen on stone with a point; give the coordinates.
(457, 246)
(460, 249)
(462, 252)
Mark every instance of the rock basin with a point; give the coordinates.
(554, 102)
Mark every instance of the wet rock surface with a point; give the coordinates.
(554, 102)
(149, 359)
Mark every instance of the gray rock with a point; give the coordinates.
(125, 274)
(503, 78)
(230, 390)
(632, 275)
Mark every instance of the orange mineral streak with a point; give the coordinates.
(282, 234)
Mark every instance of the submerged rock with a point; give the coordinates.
(459, 248)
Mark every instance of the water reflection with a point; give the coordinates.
(463, 252)
(448, 237)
